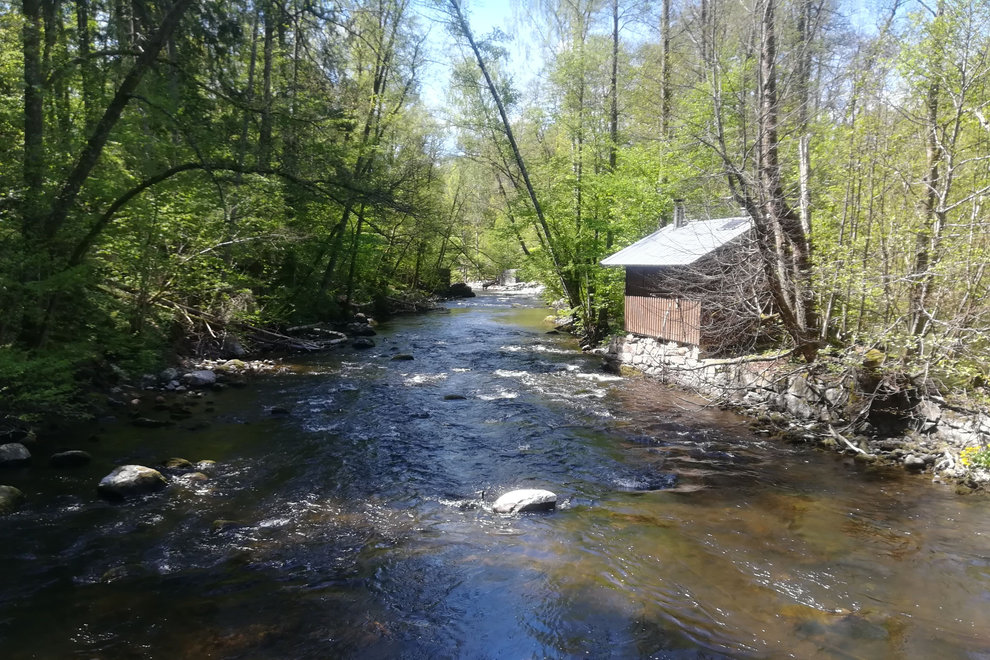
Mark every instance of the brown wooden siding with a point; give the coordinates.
(673, 319)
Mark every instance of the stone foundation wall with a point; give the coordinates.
(801, 406)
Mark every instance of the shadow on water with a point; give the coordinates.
(359, 525)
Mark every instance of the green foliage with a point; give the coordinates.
(36, 387)
(976, 457)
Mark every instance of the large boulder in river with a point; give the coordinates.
(129, 481)
(14, 454)
(525, 500)
(460, 290)
(10, 499)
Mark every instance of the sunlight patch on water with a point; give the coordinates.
(501, 393)
(599, 378)
(424, 379)
(536, 348)
(505, 373)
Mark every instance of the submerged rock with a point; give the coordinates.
(14, 454)
(10, 498)
(402, 357)
(222, 525)
(177, 463)
(71, 458)
(150, 422)
(129, 481)
(363, 342)
(190, 478)
(525, 500)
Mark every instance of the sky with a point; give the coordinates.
(484, 16)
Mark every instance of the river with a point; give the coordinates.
(360, 523)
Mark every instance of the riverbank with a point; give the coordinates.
(848, 407)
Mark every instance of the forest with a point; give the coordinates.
(172, 172)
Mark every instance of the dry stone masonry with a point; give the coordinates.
(797, 404)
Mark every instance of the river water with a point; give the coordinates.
(361, 523)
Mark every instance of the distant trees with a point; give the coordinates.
(860, 153)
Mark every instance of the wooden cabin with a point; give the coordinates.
(694, 282)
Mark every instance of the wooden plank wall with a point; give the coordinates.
(673, 319)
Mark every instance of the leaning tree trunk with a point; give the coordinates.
(570, 290)
(780, 233)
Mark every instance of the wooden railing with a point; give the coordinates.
(673, 319)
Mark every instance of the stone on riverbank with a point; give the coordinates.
(460, 290)
(70, 459)
(525, 500)
(129, 481)
(361, 330)
(10, 499)
(14, 454)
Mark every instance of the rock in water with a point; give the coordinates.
(361, 330)
(130, 480)
(524, 500)
(71, 458)
(10, 498)
(200, 378)
(178, 464)
(14, 454)
(460, 290)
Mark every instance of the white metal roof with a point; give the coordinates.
(680, 246)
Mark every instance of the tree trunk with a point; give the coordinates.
(265, 137)
(932, 218)
(34, 120)
(779, 232)
(348, 302)
(666, 93)
(85, 71)
(613, 85)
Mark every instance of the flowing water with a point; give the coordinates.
(361, 523)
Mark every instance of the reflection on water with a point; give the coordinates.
(359, 525)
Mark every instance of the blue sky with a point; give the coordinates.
(484, 16)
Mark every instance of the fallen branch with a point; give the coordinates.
(838, 436)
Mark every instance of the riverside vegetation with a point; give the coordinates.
(182, 177)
